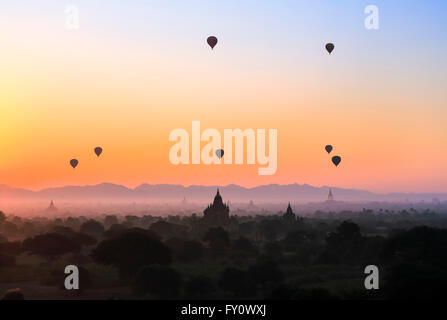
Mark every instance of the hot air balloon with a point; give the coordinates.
(328, 148)
(336, 160)
(98, 151)
(330, 47)
(212, 41)
(219, 153)
(74, 163)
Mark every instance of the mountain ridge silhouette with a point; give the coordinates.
(264, 193)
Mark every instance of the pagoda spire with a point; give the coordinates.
(330, 196)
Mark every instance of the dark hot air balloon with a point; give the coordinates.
(330, 47)
(74, 163)
(98, 151)
(212, 41)
(328, 148)
(219, 153)
(336, 160)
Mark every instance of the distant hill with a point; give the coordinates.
(165, 192)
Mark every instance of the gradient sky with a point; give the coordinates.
(135, 70)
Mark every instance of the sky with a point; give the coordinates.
(135, 70)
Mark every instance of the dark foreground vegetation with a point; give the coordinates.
(256, 257)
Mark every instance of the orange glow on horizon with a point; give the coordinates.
(63, 94)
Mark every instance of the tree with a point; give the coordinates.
(2, 217)
(286, 292)
(80, 238)
(344, 245)
(294, 239)
(346, 233)
(50, 245)
(245, 245)
(10, 228)
(237, 282)
(83, 239)
(65, 231)
(13, 294)
(130, 252)
(73, 222)
(266, 273)
(415, 281)
(191, 251)
(92, 227)
(117, 232)
(217, 238)
(185, 250)
(11, 248)
(29, 229)
(132, 220)
(270, 228)
(418, 244)
(110, 220)
(7, 260)
(273, 250)
(160, 281)
(200, 287)
(167, 229)
(247, 228)
(417, 264)
(114, 230)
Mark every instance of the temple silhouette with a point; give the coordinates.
(51, 207)
(330, 196)
(289, 216)
(217, 214)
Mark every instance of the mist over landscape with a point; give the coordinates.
(167, 199)
(218, 248)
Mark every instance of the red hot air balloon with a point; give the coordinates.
(212, 41)
(336, 160)
(74, 163)
(328, 148)
(330, 47)
(98, 151)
